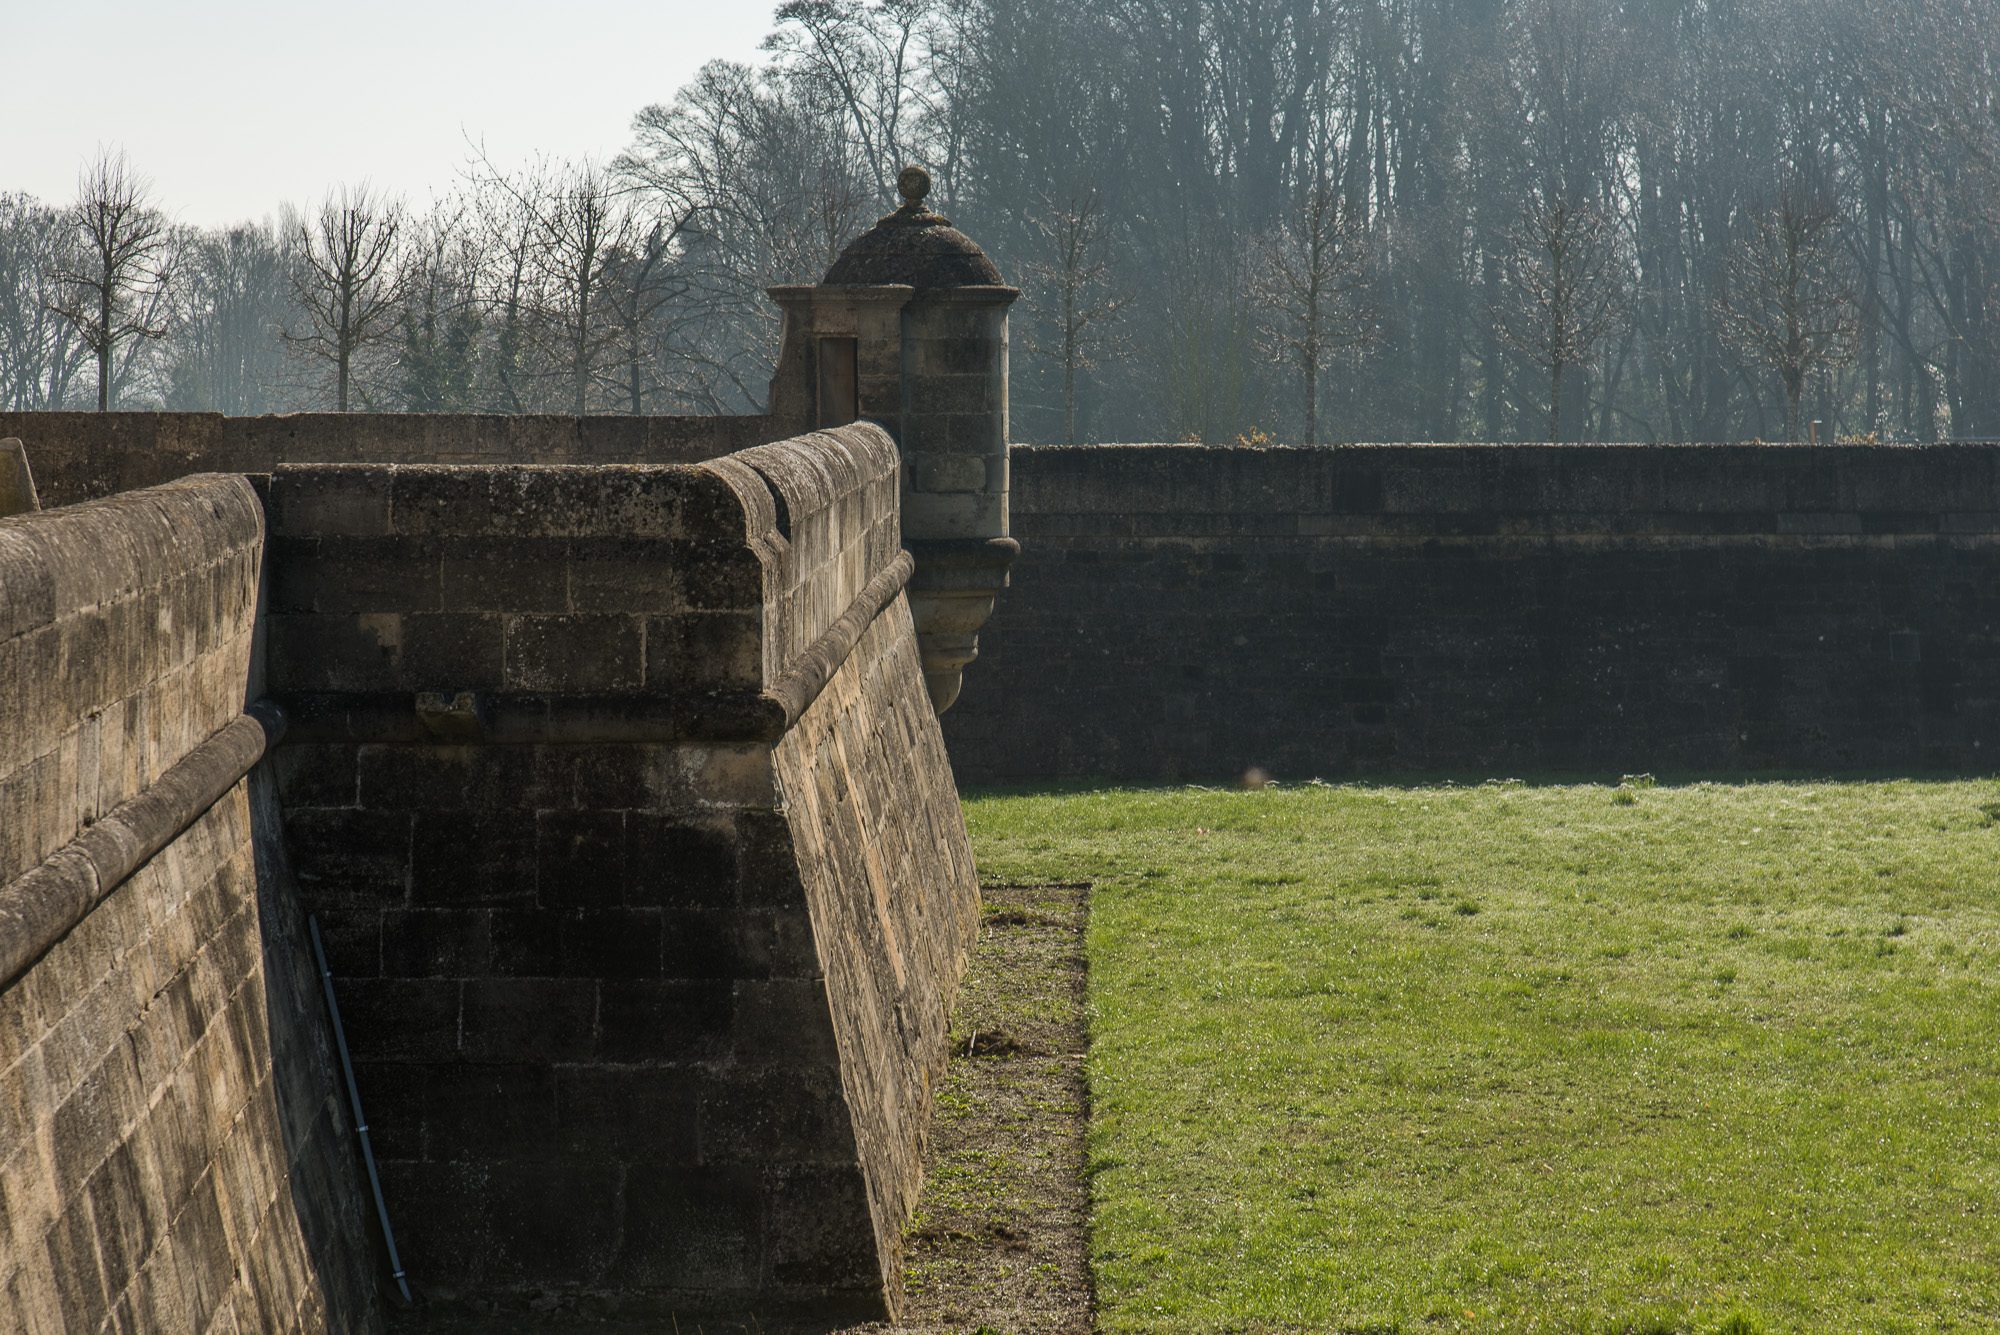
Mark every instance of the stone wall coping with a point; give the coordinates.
(1613, 486)
(1826, 448)
(815, 513)
(55, 563)
(81, 456)
(813, 471)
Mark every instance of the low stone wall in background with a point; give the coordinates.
(159, 1171)
(1184, 613)
(80, 456)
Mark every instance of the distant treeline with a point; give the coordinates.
(1254, 219)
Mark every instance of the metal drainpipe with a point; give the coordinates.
(354, 1102)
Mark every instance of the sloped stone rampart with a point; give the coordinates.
(887, 871)
(160, 1171)
(1183, 613)
(644, 1026)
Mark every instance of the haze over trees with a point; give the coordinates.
(1293, 219)
(111, 281)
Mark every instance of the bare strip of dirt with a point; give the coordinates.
(998, 1239)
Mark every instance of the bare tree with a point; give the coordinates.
(348, 281)
(225, 350)
(41, 353)
(1076, 300)
(1311, 279)
(866, 65)
(1785, 301)
(579, 227)
(1205, 366)
(115, 284)
(438, 329)
(1562, 268)
(573, 222)
(762, 190)
(506, 243)
(639, 282)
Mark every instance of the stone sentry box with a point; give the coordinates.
(909, 329)
(639, 862)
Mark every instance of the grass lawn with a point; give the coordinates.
(1522, 1058)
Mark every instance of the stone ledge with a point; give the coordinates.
(38, 909)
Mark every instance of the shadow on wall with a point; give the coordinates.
(341, 1238)
(1183, 614)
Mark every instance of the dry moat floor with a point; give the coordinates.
(999, 1239)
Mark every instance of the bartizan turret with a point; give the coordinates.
(909, 329)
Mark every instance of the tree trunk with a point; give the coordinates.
(1607, 417)
(1491, 370)
(1069, 390)
(104, 344)
(1555, 403)
(1312, 403)
(1069, 363)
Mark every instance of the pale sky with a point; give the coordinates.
(233, 107)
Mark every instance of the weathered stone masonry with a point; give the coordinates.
(1182, 612)
(648, 935)
(611, 765)
(626, 816)
(171, 1156)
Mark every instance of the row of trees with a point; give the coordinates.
(1232, 219)
(1510, 219)
(540, 290)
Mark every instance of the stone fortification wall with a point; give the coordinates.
(639, 863)
(157, 1173)
(80, 456)
(1184, 613)
(872, 812)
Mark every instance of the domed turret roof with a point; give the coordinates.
(916, 246)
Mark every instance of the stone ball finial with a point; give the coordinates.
(913, 183)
